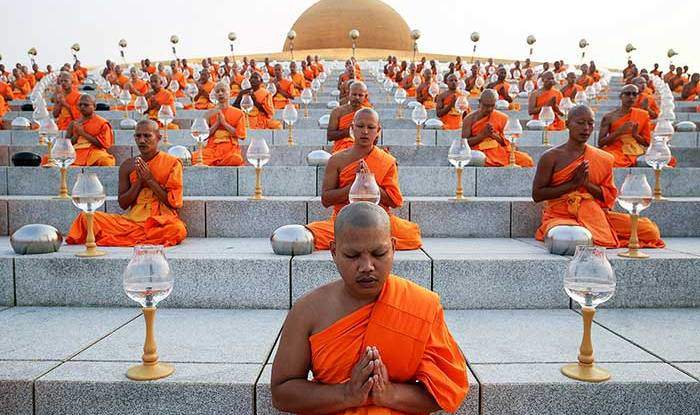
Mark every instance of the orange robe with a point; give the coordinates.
(151, 69)
(651, 102)
(148, 221)
(585, 81)
(427, 102)
(163, 97)
(22, 88)
(71, 113)
(542, 100)
(222, 148)
(383, 166)
(407, 325)
(6, 91)
(203, 102)
(570, 91)
(299, 82)
(87, 154)
(579, 208)
(121, 80)
(411, 90)
(38, 75)
(498, 155)
(453, 119)
(4, 108)
(279, 100)
(179, 77)
(236, 81)
(259, 120)
(503, 89)
(694, 94)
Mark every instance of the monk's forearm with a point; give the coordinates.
(442, 111)
(159, 192)
(333, 135)
(475, 141)
(302, 396)
(554, 192)
(411, 398)
(385, 199)
(335, 196)
(128, 198)
(595, 190)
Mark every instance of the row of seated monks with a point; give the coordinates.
(574, 180)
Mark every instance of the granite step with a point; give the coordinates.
(480, 273)
(223, 361)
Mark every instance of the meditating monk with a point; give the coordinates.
(625, 132)
(380, 345)
(65, 107)
(157, 97)
(656, 71)
(284, 87)
(91, 135)
(261, 116)
(575, 182)
(571, 88)
(150, 189)
(344, 88)
(503, 89)
(119, 78)
(528, 77)
(548, 96)
(585, 80)
(29, 76)
(178, 76)
(340, 175)
(341, 117)
(307, 72)
(407, 82)
(226, 128)
(6, 91)
(484, 130)
(677, 81)
(645, 100)
(205, 85)
(445, 108)
(297, 78)
(21, 87)
(422, 94)
(81, 71)
(137, 87)
(692, 88)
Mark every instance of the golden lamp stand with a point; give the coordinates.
(459, 191)
(63, 189)
(657, 185)
(200, 154)
(511, 156)
(290, 138)
(545, 138)
(633, 246)
(585, 370)
(258, 185)
(150, 369)
(419, 139)
(90, 245)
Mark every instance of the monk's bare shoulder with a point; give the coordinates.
(312, 308)
(553, 154)
(471, 117)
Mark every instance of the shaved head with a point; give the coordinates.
(579, 111)
(147, 124)
(365, 112)
(489, 94)
(358, 85)
(361, 215)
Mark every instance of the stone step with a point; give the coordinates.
(440, 217)
(223, 361)
(438, 179)
(479, 273)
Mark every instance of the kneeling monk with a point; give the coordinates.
(340, 175)
(227, 126)
(260, 117)
(341, 117)
(484, 130)
(91, 136)
(625, 132)
(374, 342)
(150, 187)
(575, 182)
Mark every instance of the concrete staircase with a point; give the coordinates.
(68, 332)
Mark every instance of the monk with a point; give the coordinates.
(344, 88)
(227, 127)
(205, 85)
(80, 70)
(150, 190)
(645, 99)
(261, 116)
(677, 81)
(692, 88)
(529, 76)
(625, 132)
(445, 109)
(308, 73)
(297, 79)
(21, 86)
(284, 87)
(422, 94)
(91, 135)
(340, 175)
(158, 97)
(503, 88)
(65, 108)
(410, 80)
(571, 88)
(6, 91)
(380, 345)
(547, 96)
(137, 87)
(585, 80)
(119, 78)
(484, 130)
(179, 77)
(341, 117)
(575, 182)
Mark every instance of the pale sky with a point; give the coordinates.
(261, 26)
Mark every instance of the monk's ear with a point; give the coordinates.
(332, 248)
(393, 244)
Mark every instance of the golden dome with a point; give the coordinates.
(326, 25)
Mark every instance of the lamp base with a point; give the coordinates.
(152, 372)
(93, 253)
(62, 197)
(458, 199)
(585, 373)
(633, 254)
